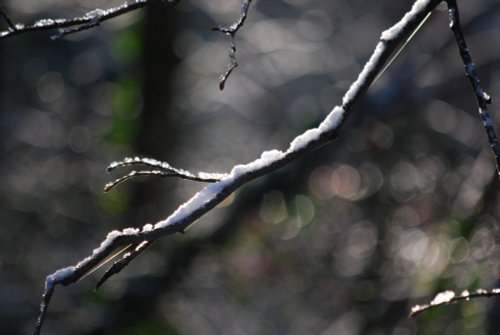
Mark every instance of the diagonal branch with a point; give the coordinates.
(482, 98)
(162, 169)
(213, 194)
(68, 26)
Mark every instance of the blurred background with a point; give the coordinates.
(344, 241)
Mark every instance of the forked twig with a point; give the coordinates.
(161, 169)
(449, 297)
(231, 32)
(128, 257)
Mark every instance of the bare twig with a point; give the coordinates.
(482, 98)
(213, 194)
(161, 169)
(231, 32)
(449, 297)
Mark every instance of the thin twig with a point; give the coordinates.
(449, 297)
(482, 98)
(231, 32)
(161, 169)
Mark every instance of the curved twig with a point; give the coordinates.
(162, 169)
(68, 26)
(231, 32)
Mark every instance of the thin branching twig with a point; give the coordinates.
(68, 26)
(128, 257)
(231, 32)
(482, 98)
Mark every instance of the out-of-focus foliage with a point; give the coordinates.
(401, 206)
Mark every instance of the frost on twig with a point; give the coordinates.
(214, 193)
(449, 297)
(68, 26)
(162, 169)
(482, 98)
(231, 32)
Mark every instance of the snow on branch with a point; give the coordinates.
(94, 17)
(214, 193)
(449, 297)
(68, 26)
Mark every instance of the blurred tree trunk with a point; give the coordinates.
(155, 138)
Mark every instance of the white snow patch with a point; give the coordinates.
(208, 175)
(198, 201)
(130, 231)
(267, 158)
(332, 121)
(391, 33)
(302, 140)
(43, 22)
(95, 15)
(109, 238)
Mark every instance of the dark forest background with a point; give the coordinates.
(402, 206)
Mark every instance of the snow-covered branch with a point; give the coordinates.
(449, 297)
(482, 98)
(213, 194)
(96, 16)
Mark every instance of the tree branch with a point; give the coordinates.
(449, 297)
(213, 194)
(162, 169)
(482, 98)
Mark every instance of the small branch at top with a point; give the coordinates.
(482, 98)
(231, 32)
(449, 297)
(68, 26)
(162, 169)
(124, 261)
